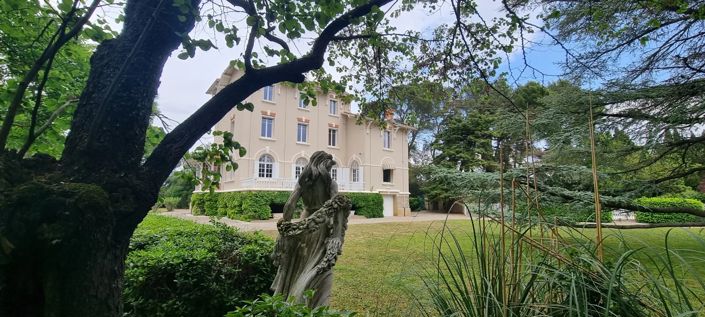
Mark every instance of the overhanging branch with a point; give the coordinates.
(616, 203)
(168, 153)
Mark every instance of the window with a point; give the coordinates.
(302, 133)
(299, 167)
(387, 139)
(387, 175)
(333, 107)
(332, 137)
(302, 103)
(268, 93)
(265, 166)
(355, 172)
(334, 174)
(267, 127)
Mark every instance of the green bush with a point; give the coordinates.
(668, 202)
(180, 268)
(370, 205)
(692, 194)
(249, 205)
(416, 203)
(567, 212)
(170, 203)
(245, 205)
(180, 184)
(276, 306)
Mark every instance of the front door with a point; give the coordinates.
(388, 205)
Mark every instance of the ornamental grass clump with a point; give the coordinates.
(510, 270)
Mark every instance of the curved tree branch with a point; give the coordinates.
(616, 203)
(168, 153)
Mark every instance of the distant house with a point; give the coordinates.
(282, 132)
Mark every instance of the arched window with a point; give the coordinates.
(265, 166)
(299, 166)
(355, 172)
(334, 172)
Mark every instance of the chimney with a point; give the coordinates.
(389, 114)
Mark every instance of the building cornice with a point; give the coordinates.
(394, 124)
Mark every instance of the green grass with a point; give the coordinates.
(381, 263)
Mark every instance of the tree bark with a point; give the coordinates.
(110, 121)
(59, 255)
(65, 226)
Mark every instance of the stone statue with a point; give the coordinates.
(307, 249)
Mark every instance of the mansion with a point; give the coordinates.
(283, 132)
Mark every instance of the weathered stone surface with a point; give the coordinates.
(307, 249)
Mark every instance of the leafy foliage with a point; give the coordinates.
(179, 268)
(666, 202)
(466, 143)
(446, 184)
(416, 203)
(245, 205)
(180, 184)
(564, 213)
(170, 203)
(268, 305)
(23, 38)
(249, 205)
(369, 205)
(215, 156)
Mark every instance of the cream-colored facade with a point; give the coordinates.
(282, 133)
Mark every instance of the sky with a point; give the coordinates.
(184, 82)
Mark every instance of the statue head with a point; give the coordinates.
(318, 168)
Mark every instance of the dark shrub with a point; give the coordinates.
(180, 268)
(416, 203)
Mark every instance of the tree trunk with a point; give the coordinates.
(61, 254)
(65, 226)
(109, 124)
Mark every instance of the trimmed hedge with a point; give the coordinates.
(567, 212)
(370, 205)
(238, 205)
(249, 205)
(668, 202)
(179, 268)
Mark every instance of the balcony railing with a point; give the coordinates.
(289, 183)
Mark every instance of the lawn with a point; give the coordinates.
(379, 271)
(380, 266)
